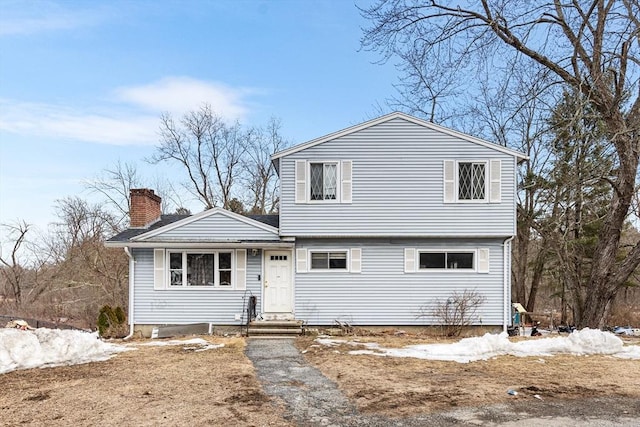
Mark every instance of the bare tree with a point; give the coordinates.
(84, 274)
(13, 269)
(260, 174)
(209, 151)
(114, 185)
(592, 47)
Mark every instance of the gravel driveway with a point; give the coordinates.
(311, 399)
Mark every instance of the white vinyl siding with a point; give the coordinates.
(195, 304)
(398, 187)
(383, 294)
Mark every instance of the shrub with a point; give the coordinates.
(112, 323)
(456, 312)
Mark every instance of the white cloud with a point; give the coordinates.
(76, 124)
(26, 18)
(181, 94)
(132, 120)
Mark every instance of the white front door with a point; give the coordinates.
(278, 297)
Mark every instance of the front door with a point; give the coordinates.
(278, 297)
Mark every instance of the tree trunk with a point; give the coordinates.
(607, 275)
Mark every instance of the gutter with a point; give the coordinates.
(132, 264)
(506, 315)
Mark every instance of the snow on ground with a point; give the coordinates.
(51, 347)
(584, 342)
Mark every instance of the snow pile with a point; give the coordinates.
(584, 342)
(196, 344)
(51, 347)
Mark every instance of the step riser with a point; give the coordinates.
(275, 327)
(264, 331)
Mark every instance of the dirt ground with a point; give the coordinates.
(150, 386)
(400, 387)
(179, 386)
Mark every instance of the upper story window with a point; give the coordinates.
(472, 180)
(323, 181)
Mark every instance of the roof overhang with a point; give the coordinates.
(227, 244)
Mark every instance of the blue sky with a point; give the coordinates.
(83, 84)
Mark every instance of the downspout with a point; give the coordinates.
(131, 278)
(506, 274)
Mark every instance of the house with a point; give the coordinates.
(377, 222)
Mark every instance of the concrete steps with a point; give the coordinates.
(275, 328)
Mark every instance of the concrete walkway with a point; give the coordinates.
(311, 399)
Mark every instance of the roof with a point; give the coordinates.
(397, 115)
(127, 234)
(130, 233)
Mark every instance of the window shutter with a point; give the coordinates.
(241, 269)
(301, 260)
(347, 180)
(483, 260)
(356, 260)
(449, 179)
(159, 273)
(495, 189)
(409, 260)
(301, 181)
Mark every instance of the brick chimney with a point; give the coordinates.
(144, 208)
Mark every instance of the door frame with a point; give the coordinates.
(265, 259)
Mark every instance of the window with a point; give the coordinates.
(329, 260)
(447, 260)
(471, 180)
(324, 181)
(200, 268)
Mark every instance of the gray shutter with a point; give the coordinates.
(410, 260)
(483, 260)
(356, 260)
(347, 181)
(241, 269)
(301, 260)
(495, 183)
(159, 272)
(449, 180)
(301, 181)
